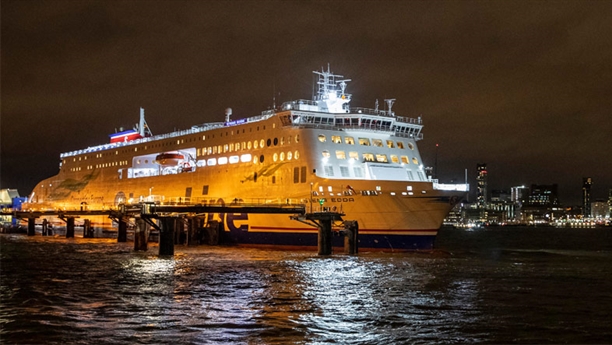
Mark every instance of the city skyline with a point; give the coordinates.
(521, 86)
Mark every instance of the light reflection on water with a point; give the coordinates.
(82, 291)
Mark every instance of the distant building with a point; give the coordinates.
(543, 204)
(481, 181)
(610, 203)
(599, 209)
(519, 194)
(586, 196)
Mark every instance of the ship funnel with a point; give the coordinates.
(228, 113)
(141, 124)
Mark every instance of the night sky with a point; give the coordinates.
(523, 86)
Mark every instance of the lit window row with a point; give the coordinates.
(336, 139)
(111, 164)
(245, 145)
(370, 157)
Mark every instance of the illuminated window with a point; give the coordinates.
(211, 161)
(415, 160)
(368, 157)
(340, 155)
(405, 160)
(245, 158)
(364, 141)
(381, 158)
(222, 160)
(282, 140)
(394, 159)
(261, 143)
(354, 155)
(231, 147)
(349, 140)
(325, 154)
(410, 146)
(400, 145)
(249, 145)
(225, 148)
(282, 156)
(322, 138)
(296, 155)
(234, 159)
(256, 144)
(289, 155)
(275, 157)
(336, 139)
(377, 142)
(297, 138)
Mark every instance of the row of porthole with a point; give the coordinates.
(245, 145)
(247, 158)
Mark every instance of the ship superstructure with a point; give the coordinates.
(321, 152)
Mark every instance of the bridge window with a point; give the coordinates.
(344, 171)
(340, 155)
(381, 158)
(322, 138)
(415, 160)
(325, 154)
(390, 144)
(410, 146)
(329, 170)
(368, 157)
(405, 160)
(354, 155)
(349, 140)
(377, 142)
(336, 139)
(400, 145)
(394, 159)
(364, 141)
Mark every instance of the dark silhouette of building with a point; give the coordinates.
(586, 196)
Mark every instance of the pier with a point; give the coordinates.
(185, 224)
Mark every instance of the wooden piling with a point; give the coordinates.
(351, 237)
(141, 235)
(70, 227)
(87, 229)
(166, 236)
(31, 226)
(122, 230)
(325, 236)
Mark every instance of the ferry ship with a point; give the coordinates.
(323, 153)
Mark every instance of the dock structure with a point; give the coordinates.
(172, 220)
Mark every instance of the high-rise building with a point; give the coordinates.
(481, 181)
(586, 196)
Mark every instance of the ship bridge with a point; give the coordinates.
(354, 119)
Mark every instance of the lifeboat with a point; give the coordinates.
(169, 159)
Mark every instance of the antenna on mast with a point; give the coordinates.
(390, 102)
